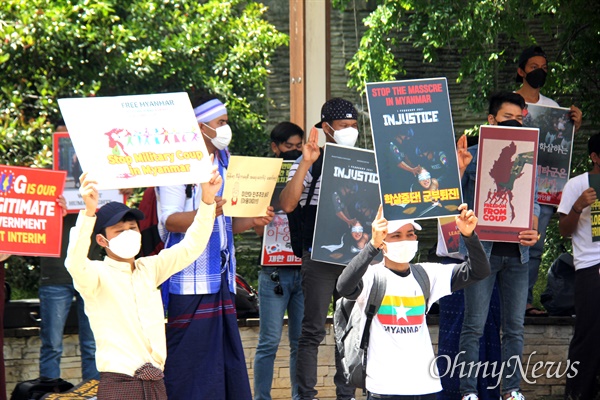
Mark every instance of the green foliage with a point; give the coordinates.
(483, 32)
(23, 274)
(71, 48)
(77, 48)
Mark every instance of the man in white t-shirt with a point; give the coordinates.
(575, 220)
(531, 73)
(400, 358)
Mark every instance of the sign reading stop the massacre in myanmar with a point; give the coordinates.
(30, 218)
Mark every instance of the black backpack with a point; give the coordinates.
(246, 299)
(35, 389)
(297, 217)
(559, 297)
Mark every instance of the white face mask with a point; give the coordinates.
(401, 252)
(223, 137)
(346, 136)
(126, 245)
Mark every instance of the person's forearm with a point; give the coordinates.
(290, 195)
(567, 224)
(349, 283)
(343, 217)
(179, 222)
(475, 268)
(239, 224)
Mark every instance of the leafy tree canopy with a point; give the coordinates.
(71, 48)
(482, 32)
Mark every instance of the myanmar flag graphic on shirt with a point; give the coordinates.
(399, 310)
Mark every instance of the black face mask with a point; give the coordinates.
(290, 155)
(511, 122)
(536, 78)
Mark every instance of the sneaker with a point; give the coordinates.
(514, 395)
(470, 396)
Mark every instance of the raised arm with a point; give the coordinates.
(477, 266)
(179, 256)
(349, 283)
(567, 223)
(290, 195)
(85, 276)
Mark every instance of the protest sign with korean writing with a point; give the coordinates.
(30, 217)
(249, 185)
(505, 184)
(415, 148)
(348, 204)
(276, 246)
(554, 149)
(137, 141)
(595, 207)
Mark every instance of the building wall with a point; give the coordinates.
(545, 343)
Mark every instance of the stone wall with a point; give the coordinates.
(546, 343)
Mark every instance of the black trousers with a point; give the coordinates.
(584, 347)
(318, 284)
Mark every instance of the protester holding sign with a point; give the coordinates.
(575, 213)
(531, 73)
(121, 299)
(205, 355)
(279, 287)
(415, 149)
(508, 262)
(400, 358)
(339, 122)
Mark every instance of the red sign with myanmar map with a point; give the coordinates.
(30, 218)
(505, 185)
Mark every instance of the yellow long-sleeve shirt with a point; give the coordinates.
(124, 306)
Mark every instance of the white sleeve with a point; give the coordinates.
(171, 201)
(569, 196)
(293, 170)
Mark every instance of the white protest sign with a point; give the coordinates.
(137, 141)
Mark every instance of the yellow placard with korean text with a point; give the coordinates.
(249, 185)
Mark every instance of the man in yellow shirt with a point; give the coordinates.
(121, 294)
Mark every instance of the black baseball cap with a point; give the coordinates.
(113, 212)
(529, 52)
(335, 109)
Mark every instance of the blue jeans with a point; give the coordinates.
(55, 303)
(537, 250)
(272, 311)
(512, 279)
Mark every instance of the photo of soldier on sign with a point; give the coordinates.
(348, 204)
(415, 148)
